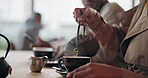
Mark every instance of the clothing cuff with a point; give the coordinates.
(129, 74)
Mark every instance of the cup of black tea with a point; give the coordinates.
(43, 51)
(69, 63)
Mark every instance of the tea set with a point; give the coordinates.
(79, 51)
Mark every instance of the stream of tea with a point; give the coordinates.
(75, 52)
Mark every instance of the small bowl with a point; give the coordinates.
(62, 73)
(43, 51)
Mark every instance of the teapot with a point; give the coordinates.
(82, 45)
(5, 68)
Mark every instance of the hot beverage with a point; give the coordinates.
(69, 63)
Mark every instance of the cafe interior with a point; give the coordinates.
(58, 28)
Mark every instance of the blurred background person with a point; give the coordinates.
(31, 29)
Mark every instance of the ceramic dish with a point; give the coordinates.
(43, 51)
(63, 73)
(52, 64)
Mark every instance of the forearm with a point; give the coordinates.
(109, 39)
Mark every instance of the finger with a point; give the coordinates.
(89, 14)
(70, 75)
(10, 70)
(78, 12)
(82, 67)
(84, 23)
(82, 74)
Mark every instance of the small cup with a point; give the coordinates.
(37, 63)
(43, 51)
(69, 63)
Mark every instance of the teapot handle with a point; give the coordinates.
(8, 42)
(76, 50)
(78, 32)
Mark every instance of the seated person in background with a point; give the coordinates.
(31, 28)
(133, 45)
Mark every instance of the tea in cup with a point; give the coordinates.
(69, 63)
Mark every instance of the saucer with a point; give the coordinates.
(63, 73)
(52, 63)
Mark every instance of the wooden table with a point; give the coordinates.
(19, 61)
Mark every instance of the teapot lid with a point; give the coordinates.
(82, 45)
(82, 39)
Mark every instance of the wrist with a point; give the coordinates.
(129, 74)
(96, 23)
(102, 31)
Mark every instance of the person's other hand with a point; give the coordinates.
(96, 70)
(40, 43)
(88, 17)
(10, 70)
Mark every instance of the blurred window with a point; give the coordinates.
(126, 4)
(14, 10)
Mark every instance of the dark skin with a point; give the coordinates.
(94, 70)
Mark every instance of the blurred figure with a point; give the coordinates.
(31, 28)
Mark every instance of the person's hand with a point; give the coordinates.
(10, 70)
(40, 43)
(96, 70)
(88, 17)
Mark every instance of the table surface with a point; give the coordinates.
(19, 61)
